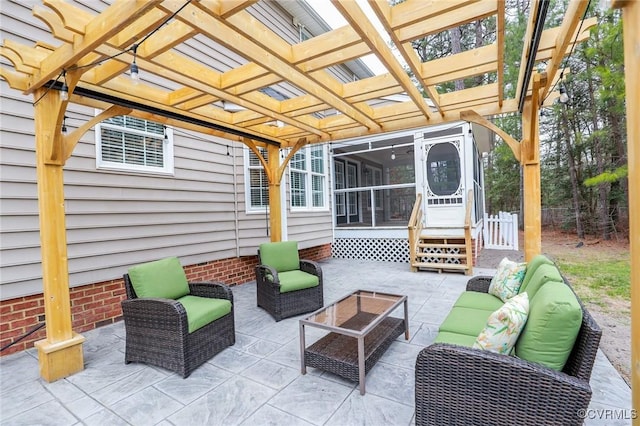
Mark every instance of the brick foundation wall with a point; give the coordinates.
(98, 304)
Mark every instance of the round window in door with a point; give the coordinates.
(443, 169)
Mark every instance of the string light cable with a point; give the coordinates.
(133, 48)
(573, 45)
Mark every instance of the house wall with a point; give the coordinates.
(116, 219)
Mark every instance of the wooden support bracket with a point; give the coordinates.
(71, 140)
(474, 117)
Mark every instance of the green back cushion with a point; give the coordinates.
(296, 280)
(203, 310)
(163, 278)
(554, 321)
(283, 256)
(543, 274)
(532, 266)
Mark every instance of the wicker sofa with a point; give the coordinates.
(458, 384)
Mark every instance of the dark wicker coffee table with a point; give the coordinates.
(360, 331)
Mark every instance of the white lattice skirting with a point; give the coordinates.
(381, 249)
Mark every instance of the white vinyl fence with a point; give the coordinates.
(501, 231)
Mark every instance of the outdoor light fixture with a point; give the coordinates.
(135, 76)
(64, 90)
(564, 98)
(393, 153)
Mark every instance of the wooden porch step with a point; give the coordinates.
(443, 255)
(441, 245)
(441, 266)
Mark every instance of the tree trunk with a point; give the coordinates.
(603, 189)
(456, 47)
(572, 173)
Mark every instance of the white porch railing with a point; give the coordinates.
(501, 231)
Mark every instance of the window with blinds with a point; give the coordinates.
(308, 174)
(134, 144)
(258, 184)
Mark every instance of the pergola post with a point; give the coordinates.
(631, 35)
(60, 354)
(275, 199)
(530, 161)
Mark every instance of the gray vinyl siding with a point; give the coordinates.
(115, 219)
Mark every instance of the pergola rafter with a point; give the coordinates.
(198, 90)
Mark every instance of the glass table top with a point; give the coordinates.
(356, 311)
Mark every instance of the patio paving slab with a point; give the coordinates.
(258, 380)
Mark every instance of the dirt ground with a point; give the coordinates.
(613, 315)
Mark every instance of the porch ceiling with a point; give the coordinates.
(96, 50)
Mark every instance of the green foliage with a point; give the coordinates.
(502, 180)
(608, 177)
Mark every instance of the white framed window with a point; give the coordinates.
(256, 182)
(339, 178)
(133, 144)
(308, 175)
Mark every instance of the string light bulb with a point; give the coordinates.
(393, 153)
(134, 71)
(564, 97)
(64, 90)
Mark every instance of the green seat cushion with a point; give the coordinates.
(478, 300)
(532, 266)
(282, 256)
(469, 321)
(296, 280)
(203, 310)
(455, 339)
(162, 278)
(543, 274)
(555, 317)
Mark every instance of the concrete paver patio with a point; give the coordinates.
(258, 380)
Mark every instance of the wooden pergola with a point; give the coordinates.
(93, 58)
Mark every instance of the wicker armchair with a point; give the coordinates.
(458, 385)
(286, 285)
(157, 329)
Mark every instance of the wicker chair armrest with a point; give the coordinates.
(211, 289)
(262, 272)
(156, 313)
(479, 284)
(498, 389)
(311, 267)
